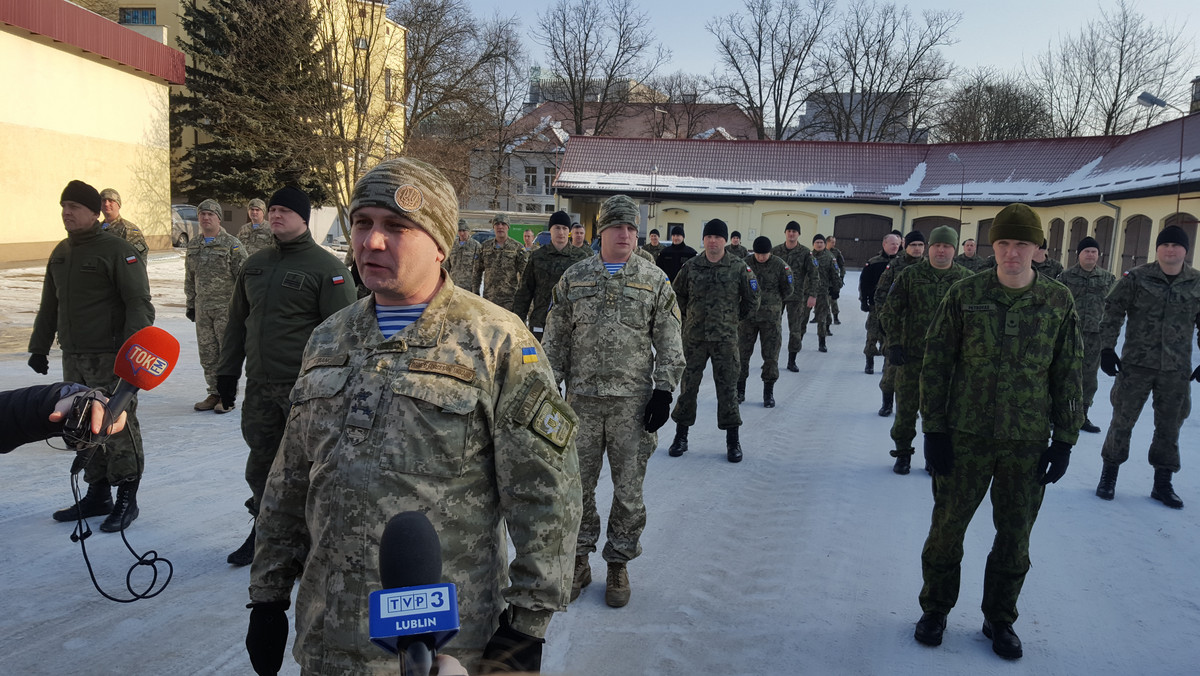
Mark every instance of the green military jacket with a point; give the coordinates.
(715, 297)
(1049, 267)
(911, 303)
(462, 262)
(211, 269)
(899, 262)
(775, 287)
(501, 267)
(654, 249)
(828, 274)
(1089, 290)
(1163, 315)
(95, 295)
(129, 232)
(972, 263)
(256, 239)
(799, 260)
(739, 250)
(545, 267)
(1004, 367)
(279, 297)
(841, 260)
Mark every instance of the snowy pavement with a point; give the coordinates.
(803, 559)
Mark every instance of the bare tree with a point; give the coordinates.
(1063, 80)
(505, 82)
(685, 108)
(991, 106)
(603, 52)
(767, 60)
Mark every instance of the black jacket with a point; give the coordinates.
(24, 415)
(673, 257)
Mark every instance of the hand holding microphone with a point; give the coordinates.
(266, 638)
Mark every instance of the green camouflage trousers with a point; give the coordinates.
(797, 319)
(264, 417)
(1091, 364)
(1172, 405)
(726, 367)
(771, 333)
(210, 327)
(874, 346)
(1010, 467)
(908, 402)
(887, 383)
(123, 459)
(833, 308)
(823, 316)
(612, 426)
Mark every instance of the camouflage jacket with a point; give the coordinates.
(210, 271)
(462, 262)
(501, 267)
(911, 302)
(899, 262)
(455, 416)
(739, 250)
(775, 285)
(1002, 366)
(715, 297)
(614, 335)
(256, 239)
(1162, 317)
(130, 233)
(542, 272)
(841, 260)
(828, 275)
(972, 263)
(654, 250)
(799, 260)
(1049, 267)
(1089, 290)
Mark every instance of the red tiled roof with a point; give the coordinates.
(640, 119)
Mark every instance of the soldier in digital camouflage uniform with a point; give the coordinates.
(463, 260)
(542, 272)
(1162, 303)
(453, 413)
(716, 291)
(613, 339)
(1089, 284)
(735, 245)
(652, 245)
(115, 224)
(95, 295)
(1000, 379)
(501, 261)
(831, 247)
(910, 306)
(774, 289)
(256, 235)
(828, 285)
(211, 268)
(797, 257)
(1044, 265)
(914, 249)
(967, 258)
(868, 279)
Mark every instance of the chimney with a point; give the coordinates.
(1195, 107)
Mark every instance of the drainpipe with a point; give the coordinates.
(903, 216)
(1112, 246)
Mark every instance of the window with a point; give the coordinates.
(531, 182)
(387, 84)
(137, 16)
(548, 182)
(549, 208)
(361, 43)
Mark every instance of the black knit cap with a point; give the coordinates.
(792, 225)
(762, 244)
(717, 228)
(735, 233)
(78, 191)
(1172, 234)
(1087, 243)
(560, 218)
(1045, 245)
(293, 198)
(914, 236)
(818, 236)
(653, 231)
(677, 230)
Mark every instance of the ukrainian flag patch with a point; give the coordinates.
(529, 354)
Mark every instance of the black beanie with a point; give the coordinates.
(735, 233)
(1172, 234)
(762, 244)
(78, 191)
(717, 228)
(677, 230)
(1045, 245)
(560, 218)
(653, 231)
(292, 198)
(792, 225)
(818, 236)
(914, 236)
(897, 233)
(1087, 243)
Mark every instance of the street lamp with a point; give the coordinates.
(962, 181)
(1151, 101)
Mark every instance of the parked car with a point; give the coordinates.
(185, 224)
(542, 238)
(482, 236)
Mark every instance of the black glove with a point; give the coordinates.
(509, 650)
(896, 355)
(39, 363)
(190, 313)
(227, 390)
(658, 410)
(266, 639)
(939, 452)
(1196, 374)
(834, 293)
(866, 307)
(1110, 363)
(1053, 463)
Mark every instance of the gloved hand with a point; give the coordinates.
(939, 453)
(1110, 363)
(864, 306)
(1053, 463)
(658, 410)
(190, 313)
(227, 390)
(834, 292)
(266, 639)
(40, 363)
(1196, 374)
(509, 650)
(896, 355)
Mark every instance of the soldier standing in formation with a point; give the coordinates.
(579, 237)
(1000, 378)
(613, 339)
(1043, 264)
(735, 245)
(1162, 303)
(487, 447)
(831, 247)
(797, 257)
(501, 261)
(95, 295)
(115, 224)
(213, 261)
(280, 295)
(463, 260)
(774, 289)
(672, 258)
(530, 245)
(1089, 284)
(910, 307)
(914, 249)
(653, 246)
(967, 258)
(868, 280)
(716, 291)
(828, 285)
(256, 235)
(542, 272)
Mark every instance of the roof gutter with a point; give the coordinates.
(1112, 246)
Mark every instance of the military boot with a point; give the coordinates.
(870, 370)
(679, 445)
(903, 460)
(1004, 640)
(741, 390)
(97, 502)
(583, 575)
(125, 510)
(733, 447)
(1108, 481)
(886, 410)
(1163, 492)
(769, 395)
(930, 628)
(836, 320)
(1088, 425)
(791, 366)
(244, 555)
(616, 591)
(821, 344)
(210, 402)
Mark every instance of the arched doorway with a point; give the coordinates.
(926, 224)
(1078, 232)
(983, 244)
(859, 236)
(1188, 223)
(1136, 248)
(1104, 235)
(1054, 241)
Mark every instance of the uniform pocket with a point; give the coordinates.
(585, 304)
(429, 426)
(634, 308)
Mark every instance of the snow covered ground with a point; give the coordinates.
(803, 559)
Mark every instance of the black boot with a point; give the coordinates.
(1108, 481)
(903, 460)
(1162, 489)
(887, 405)
(741, 389)
(733, 448)
(821, 344)
(792, 363)
(769, 395)
(930, 628)
(125, 510)
(244, 555)
(836, 320)
(1088, 425)
(679, 445)
(97, 502)
(870, 370)
(1004, 640)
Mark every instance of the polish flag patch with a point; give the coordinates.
(338, 279)
(130, 260)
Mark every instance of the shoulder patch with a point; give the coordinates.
(338, 279)
(552, 423)
(753, 284)
(529, 355)
(131, 260)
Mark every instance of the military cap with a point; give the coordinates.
(617, 210)
(257, 204)
(462, 224)
(762, 244)
(944, 234)
(110, 194)
(415, 190)
(498, 219)
(209, 205)
(82, 193)
(1017, 221)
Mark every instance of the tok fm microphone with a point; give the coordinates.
(145, 360)
(415, 613)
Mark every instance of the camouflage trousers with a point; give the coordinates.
(887, 383)
(771, 334)
(833, 307)
(1091, 364)
(823, 316)
(726, 366)
(1172, 405)
(874, 346)
(502, 294)
(264, 417)
(210, 328)
(908, 402)
(797, 318)
(1010, 467)
(122, 459)
(612, 426)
